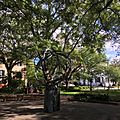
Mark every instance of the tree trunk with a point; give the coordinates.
(91, 85)
(9, 77)
(66, 83)
(108, 86)
(118, 85)
(51, 99)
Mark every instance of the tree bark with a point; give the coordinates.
(51, 98)
(91, 85)
(66, 83)
(9, 77)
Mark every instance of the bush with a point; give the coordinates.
(75, 88)
(19, 91)
(41, 89)
(14, 88)
(16, 83)
(70, 89)
(84, 88)
(7, 90)
(91, 97)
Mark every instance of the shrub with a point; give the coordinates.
(7, 90)
(16, 83)
(91, 97)
(19, 91)
(70, 89)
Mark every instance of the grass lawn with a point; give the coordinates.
(68, 93)
(114, 95)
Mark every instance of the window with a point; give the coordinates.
(2, 73)
(19, 64)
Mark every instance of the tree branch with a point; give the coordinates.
(107, 5)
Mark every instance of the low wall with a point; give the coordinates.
(20, 97)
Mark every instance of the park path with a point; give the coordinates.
(33, 110)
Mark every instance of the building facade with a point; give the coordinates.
(19, 68)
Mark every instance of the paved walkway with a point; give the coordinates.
(33, 110)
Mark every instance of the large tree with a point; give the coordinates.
(112, 70)
(13, 50)
(91, 64)
(56, 29)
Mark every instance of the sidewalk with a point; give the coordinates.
(33, 110)
(105, 88)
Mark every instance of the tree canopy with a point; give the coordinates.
(53, 30)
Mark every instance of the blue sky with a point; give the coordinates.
(111, 51)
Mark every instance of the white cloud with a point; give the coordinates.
(113, 58)
(111, 50)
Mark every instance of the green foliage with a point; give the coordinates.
(91, 63)
(12, 90)
(113, 73)
(8, 90)
(17, 86)
(19, 91)
(53, 30)
(30, 71)
(96, 96)
(75, 89)
(87, 97)
(16, 83)
(18, 75)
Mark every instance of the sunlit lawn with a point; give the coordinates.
(68, 93)
(114, 95)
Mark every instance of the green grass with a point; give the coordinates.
(114, 95)
(68, 93)
(76, 89)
